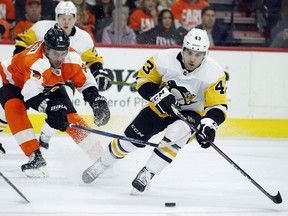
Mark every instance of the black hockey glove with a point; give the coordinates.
(163, 100)
(98, 104)
(57, 115)
(102, 79)
(100, 110)
(206, 132)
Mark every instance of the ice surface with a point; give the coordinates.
(200, 181)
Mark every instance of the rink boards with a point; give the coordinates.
(257, 90)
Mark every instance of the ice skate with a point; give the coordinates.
(142, 180)
(94, 171)
(36, 166)
(44, 140)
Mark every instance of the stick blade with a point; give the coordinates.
(276, 199)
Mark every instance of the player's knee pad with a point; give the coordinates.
(178, 132)
(133, 132)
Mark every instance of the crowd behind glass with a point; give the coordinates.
(153, 22)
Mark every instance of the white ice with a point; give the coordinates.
(200, 181)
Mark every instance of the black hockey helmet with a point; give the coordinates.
(56, 38)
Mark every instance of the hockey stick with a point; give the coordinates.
(14, 187)
(117, 82)
(122, 83)
(104, 133)
(276, 199)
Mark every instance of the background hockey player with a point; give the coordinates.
(34, 78)
(66, 17)
(187, 78)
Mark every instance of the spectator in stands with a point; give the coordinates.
(4, 29)
(47, 9)
(273, 12)
(187, 13)
(217, 33)
(281, 40)
(33, 14)
(145, 17)
(103, 16)
(282, 21)
(85, 19)
(7, 12)
(114, 35)
(164, 33)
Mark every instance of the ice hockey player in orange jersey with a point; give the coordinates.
(34, 79)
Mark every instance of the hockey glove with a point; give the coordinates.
(206, 132)
(56, 115)
(102, 79)
(163, 100)
(100, 110)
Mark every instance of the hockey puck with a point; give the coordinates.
(170, 204)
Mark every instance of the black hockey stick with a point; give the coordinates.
(104, 133)
(276, 199)
(14, 187)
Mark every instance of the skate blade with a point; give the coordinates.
(134, 192)
(37, 173)
(87, 179)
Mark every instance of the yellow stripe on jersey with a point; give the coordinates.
(148, 73)
(152, 106)
(91, 56)
(26, 38)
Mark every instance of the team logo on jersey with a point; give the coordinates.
(188, 97)
(36, 74)
(183, 96)
(56, 71)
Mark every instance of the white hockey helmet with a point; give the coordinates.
(196, 39)
(65, 7)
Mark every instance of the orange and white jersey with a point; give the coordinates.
(141, 21)
(31, 71)
(187, 14)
